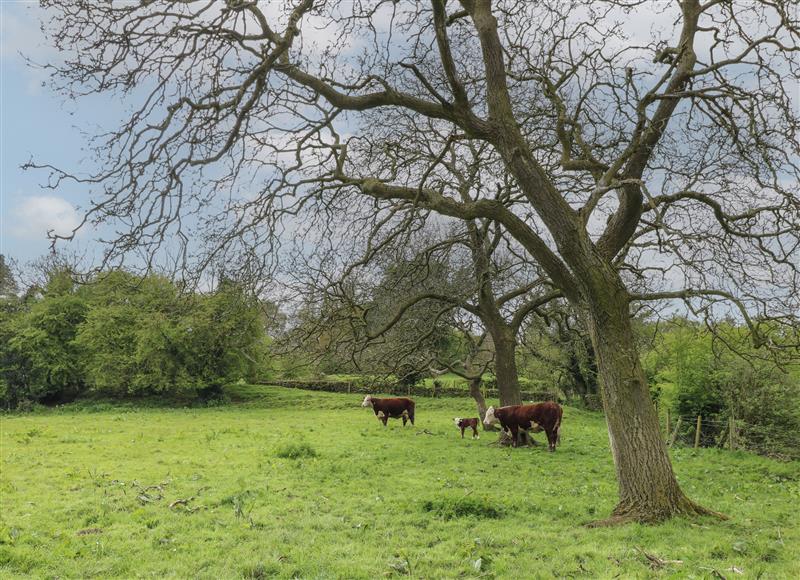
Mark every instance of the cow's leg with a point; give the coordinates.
(462, 432)
(528, 438)
(551, 439)
(514, 435)
(474, 433)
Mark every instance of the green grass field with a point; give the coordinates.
(289, 483)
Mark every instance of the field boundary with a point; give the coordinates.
(395, 388)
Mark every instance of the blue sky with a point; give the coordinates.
(36, 124)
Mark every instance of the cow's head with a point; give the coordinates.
(367, 401)
(457, 421)
(490, 418)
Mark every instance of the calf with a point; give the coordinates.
(463, 424)
(537, 417)
(394, 408)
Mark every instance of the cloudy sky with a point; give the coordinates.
(35, 125)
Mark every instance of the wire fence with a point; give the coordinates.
(729, 432)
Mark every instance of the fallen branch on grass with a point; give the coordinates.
(656, 563)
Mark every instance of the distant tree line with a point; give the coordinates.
(124, 335)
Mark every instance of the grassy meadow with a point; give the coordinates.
(287, 483)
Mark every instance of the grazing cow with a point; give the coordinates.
(538, 417)
(463, 424)
(394, 408)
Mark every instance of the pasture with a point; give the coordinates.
(288, 483)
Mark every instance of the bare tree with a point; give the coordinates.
(663, 167)
(489, 293)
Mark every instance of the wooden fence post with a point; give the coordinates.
(666, 434)
(732, 432)
(697, 432)
(675, 433)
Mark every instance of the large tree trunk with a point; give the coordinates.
(475, 393)
(580, 388)
(503, 336)
(648, 490)
(505, 367)
(591, 368)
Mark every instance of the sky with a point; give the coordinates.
(36, 125)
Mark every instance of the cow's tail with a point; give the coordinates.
(411, 412)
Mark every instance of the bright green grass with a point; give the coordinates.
(290, 483)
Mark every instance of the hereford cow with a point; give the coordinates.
(538, 417)
(394, 408)
(464, 424)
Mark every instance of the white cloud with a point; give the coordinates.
(21, 31)
(36, 215)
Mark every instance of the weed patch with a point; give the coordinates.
(296, 451)
(448, 508)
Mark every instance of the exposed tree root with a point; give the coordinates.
(505, 440)
(627, 514)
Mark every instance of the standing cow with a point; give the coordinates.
(537, 417)
(394, 408)
(465, 424)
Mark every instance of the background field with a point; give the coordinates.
(289, 483)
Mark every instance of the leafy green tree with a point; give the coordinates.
(8, 285)
(142, 336)
(124, 311)
(41, 360)
(223, 337)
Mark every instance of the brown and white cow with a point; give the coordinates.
(464, 424)
(537, 417)
(391, 408)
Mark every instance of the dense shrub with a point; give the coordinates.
(127, 335)
(40, 359)
(718, 383)
(409, 376)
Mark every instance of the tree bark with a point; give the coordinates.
(580, 388)
(475, 393)
(505, 367)
(503, 335)
(648, 490)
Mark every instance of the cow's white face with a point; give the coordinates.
(367, 401)
(490, 418)
(457, 420)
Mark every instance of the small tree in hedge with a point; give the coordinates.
(41, 362)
